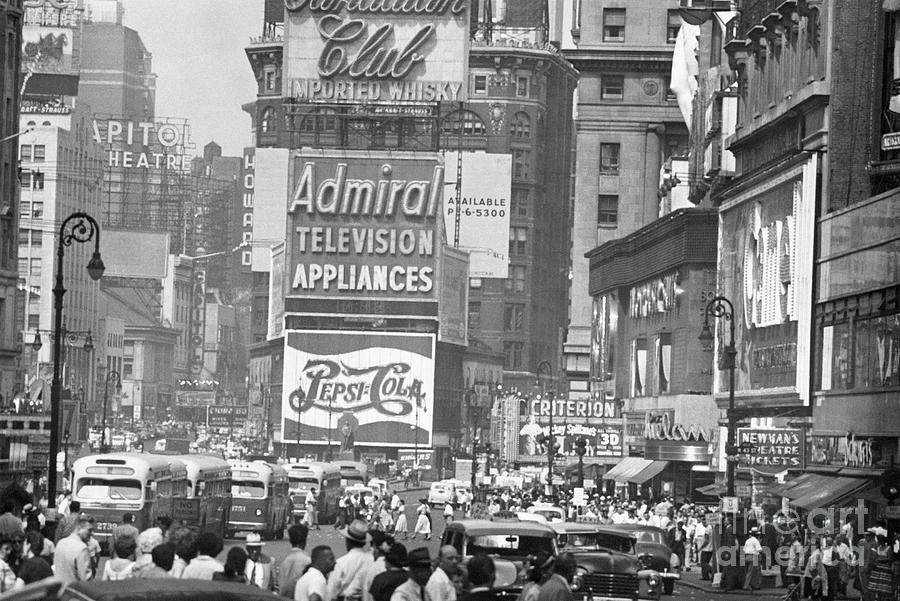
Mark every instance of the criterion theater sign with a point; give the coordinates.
(363, 227)
(360, 51)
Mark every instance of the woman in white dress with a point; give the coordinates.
(400, 526)
(423, 523)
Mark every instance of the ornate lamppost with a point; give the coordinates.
(721, 307)
(111, 377)
(77, 227)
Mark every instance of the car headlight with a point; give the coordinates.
(259, 511)
(674, 561)
(578, 579)
(653, 581)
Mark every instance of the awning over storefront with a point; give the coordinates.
(626, 469)
(800, 486)
(830, 492)
(712, 490)
(654, 469)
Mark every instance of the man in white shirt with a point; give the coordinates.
(345, 582)
(699, 534)
(381, 544)
(440, 586)
(209, 545)
(258, 569)
(419, 575)
(752, 550)
(72, 560)
(312, 518)
(313, 585)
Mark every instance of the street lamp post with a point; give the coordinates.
(721, 307)
(112, 376)
(551, 447)
(81, 228)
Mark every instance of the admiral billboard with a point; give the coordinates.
(371, 51)
(358, 388)
(364, 226)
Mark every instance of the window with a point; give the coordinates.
(474, 315)
(40, 153)
(37, 238)
(35, 266)
(664, 362)
(670, 95)
(37, 209)
(522, 86)
(36, 180)
(475, 283)
(25, 152)
(480, 84)
(465, 122)
(638, 366)
(609, 159)
(515, 282)
(23, 265)
(34, 321)
(521, 164)
(268, 120)
(514, 318)
(612, 87)
(613, 24)
(673, 24)
(520, 126)
(607, 209)
(861, 354)
(520, 201)
(518, 241)
(270, 80)
(23, 237)
(512, 355)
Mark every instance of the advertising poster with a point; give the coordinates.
(603, 440)
(364, 226)
(358, 388)
(483, 210)
(161, 144)
(771, 450)
(376, 52)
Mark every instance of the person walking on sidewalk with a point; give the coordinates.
(752, 551)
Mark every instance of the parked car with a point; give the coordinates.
(651, 542)
(441, 493)
(607, 565)
(508, 540)
(553, 513)
(155, 589)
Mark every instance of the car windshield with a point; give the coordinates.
(648, 536)
(248, 489)
(509, 545)
(594, 541)
(100, 489)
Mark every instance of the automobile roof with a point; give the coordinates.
(166, 589)
(481, 527)
(631, 527)
(575, 527)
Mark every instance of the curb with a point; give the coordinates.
(720, 591)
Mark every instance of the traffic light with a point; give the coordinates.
(890, 484)
(580, 447)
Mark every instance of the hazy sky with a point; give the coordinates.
(202, 70)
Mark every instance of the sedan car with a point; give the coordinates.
(607, 565)
(651, 544)
(155, 589)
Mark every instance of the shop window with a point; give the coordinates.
(638, 367)
(607, 209)
(514, 317)
(609, 159)
(512, 355)
(612, 87)
(664, 362)
(673, 24)
(613, 24)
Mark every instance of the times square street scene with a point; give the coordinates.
(449, 300)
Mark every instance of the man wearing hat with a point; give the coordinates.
(345, 582)
(752, 551)
(258, 569)
(385, 583)
(419, 573)
(380, 543)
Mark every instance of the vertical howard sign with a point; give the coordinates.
(376, 50)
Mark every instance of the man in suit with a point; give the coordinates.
(481, 577)
(769, 539)
(259, 566)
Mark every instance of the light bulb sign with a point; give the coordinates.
(376, 51)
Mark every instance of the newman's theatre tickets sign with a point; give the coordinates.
(358, 389)
(364, 226)
(371, 51)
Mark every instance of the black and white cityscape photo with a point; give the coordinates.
(449, 300)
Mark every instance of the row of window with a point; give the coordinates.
(612, 87)
(642, 384)
(513, 316)
(480, 85)
(33, 152)
(614, 20)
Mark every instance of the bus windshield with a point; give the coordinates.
(101, 489)
(307, 479)
(248, 489)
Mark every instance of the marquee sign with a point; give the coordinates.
(160, 144)
(772, 450)
(355, 387)
(365, 51)
(364, 227)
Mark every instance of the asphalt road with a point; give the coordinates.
(327, 535)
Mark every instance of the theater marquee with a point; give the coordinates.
(361, 51)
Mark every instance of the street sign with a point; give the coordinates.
(892, 512)
(890, 141)
(730, 504)
(714, 519)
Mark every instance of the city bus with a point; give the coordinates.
(260, 500)
(207, 499)
(353, 472)
(325, 478)
(113, 484)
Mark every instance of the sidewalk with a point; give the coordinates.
(692, 580)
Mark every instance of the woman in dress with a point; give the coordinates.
(423, 522)
(881, 580)
(400, 526)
